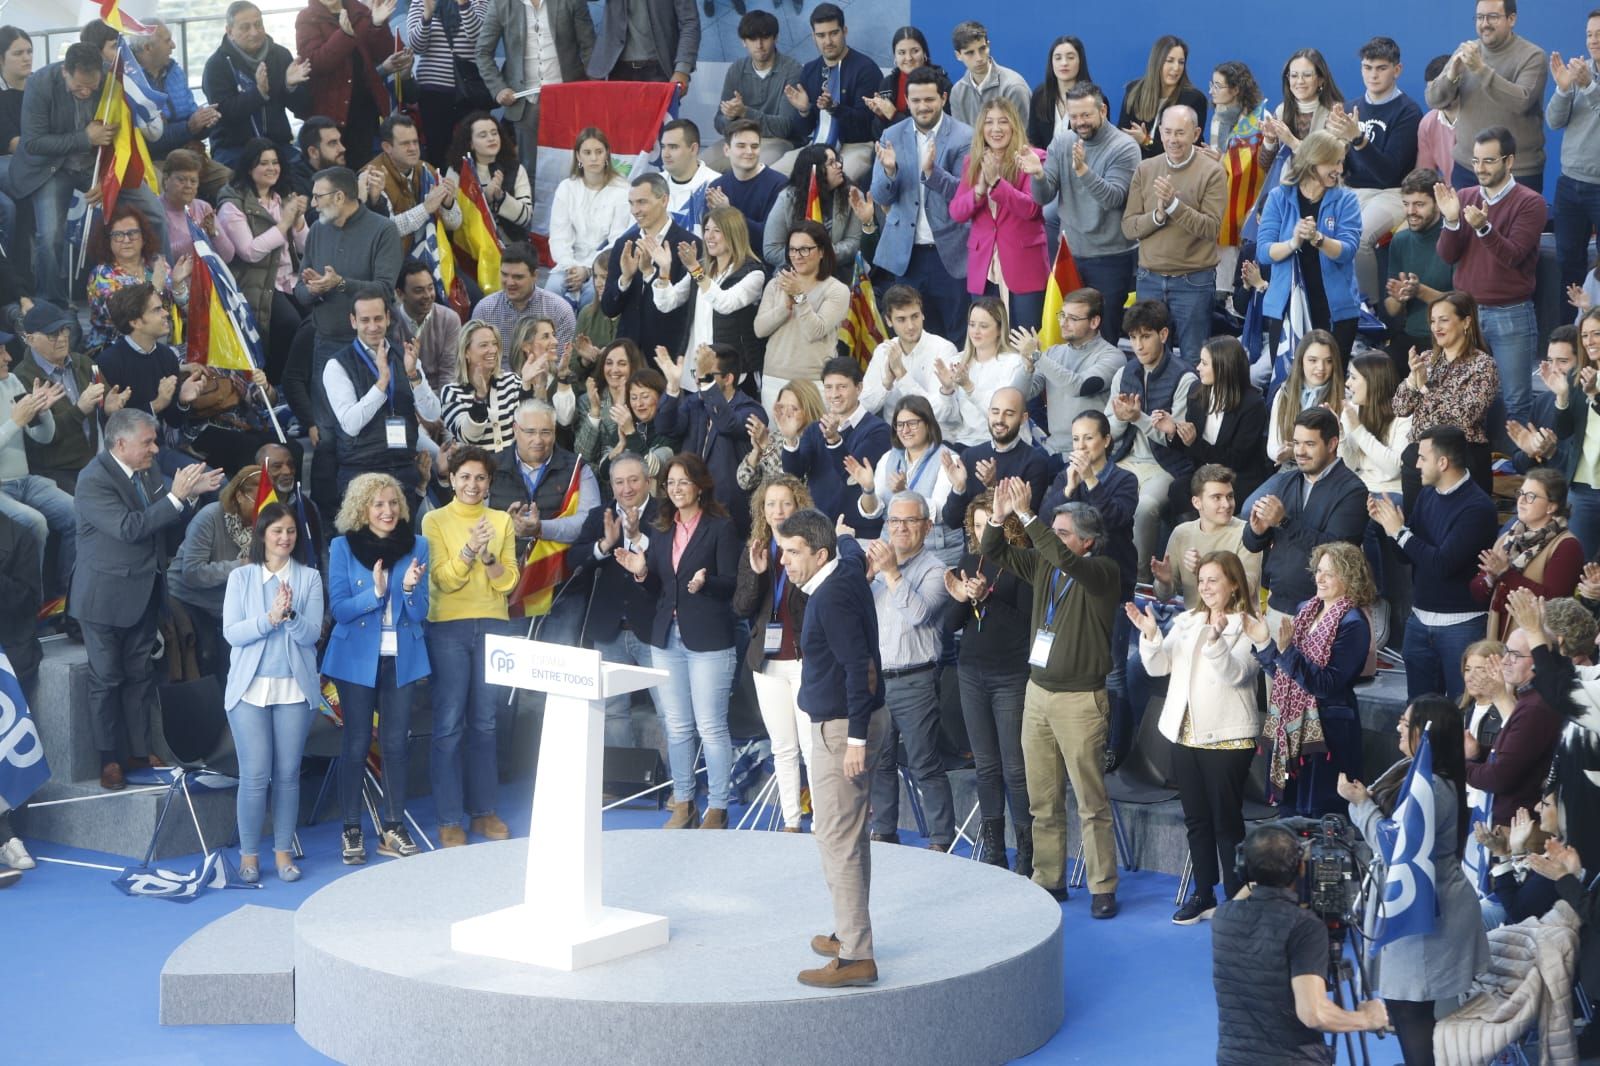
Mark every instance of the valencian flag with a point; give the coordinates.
(1410, 900)
(23, 768)
(431, 245)
(862, 330)
(1242, 163)
(222, 328)
(125, 163)
(1064, 279)
(546, 565)
(112, 15)
(476, 242)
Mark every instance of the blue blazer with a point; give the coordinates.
(245, 627)
(1339, 217)
(898, 195)
(352, 653)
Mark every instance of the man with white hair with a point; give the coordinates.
(184, 123)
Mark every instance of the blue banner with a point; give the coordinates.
(217, 872)
(1410, 900)
(23, 768)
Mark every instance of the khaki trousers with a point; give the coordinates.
(1064, 735)
(839, 822)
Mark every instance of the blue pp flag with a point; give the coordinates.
(22, 763)
(216, 872)
(1410, 892)
(145, 101)
(693, 212)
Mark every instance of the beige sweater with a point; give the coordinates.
(1187, 240)
(1229, 539)
(801, 337)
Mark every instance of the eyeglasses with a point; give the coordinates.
(1491, 18)
(1066, 317)
(1489, 162)
(802, 250)
(315, 195)
(908, 423)
(1529, 497)
(1515, 655)
(125, 235)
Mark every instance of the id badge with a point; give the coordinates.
(395, 431)
(774, 640)
(1040, 655)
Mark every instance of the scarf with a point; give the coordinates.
(1523, 545)
(369, 548)
(1295, 726)
(236, 528)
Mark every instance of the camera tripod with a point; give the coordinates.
(1341, 978)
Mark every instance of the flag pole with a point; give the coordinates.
(88, 218)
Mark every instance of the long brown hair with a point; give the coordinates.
(1289, 410)
(1145, 101)
(1230, 375)
(1465, 307)
(694, 468)
(1377, 414)
(1233, 570)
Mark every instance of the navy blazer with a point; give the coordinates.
(357, 611)
(899, 196)
(1334, 685)
(858, 79)
(841, 675)
(713, 427)
(705, 618)
(635, 309)
(1338, 511)
(615, 596)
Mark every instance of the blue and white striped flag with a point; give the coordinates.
(827, 129)
(1296, 324)
(1410, 891)
(23, 768)
(144, 100)
(242, 317)
(693, 212)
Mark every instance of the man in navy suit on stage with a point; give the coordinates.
(841, 688)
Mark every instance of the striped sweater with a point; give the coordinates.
(435, 50)
(487, 421)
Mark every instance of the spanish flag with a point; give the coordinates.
(862, 330)
(477, 244)
(222, 329)
(814, 201)
(111, 14)
(546, 565)
(265, 494)
(124, 163)
(1064, 279)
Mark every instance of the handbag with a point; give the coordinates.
(472, 94)
(219, 394)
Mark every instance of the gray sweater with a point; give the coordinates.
(199, 572)
(366, 248)
(763, 98)
(1578, 112)
(1509, 93)
(967, 99)
(13, 456)
(1091, 206)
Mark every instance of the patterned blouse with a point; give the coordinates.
(107, 279)
(1458, 394)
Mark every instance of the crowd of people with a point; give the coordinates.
(615, 442)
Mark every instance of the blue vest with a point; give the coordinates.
(1156, 389)
(369, 449)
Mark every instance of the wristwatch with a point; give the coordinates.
(799, 298)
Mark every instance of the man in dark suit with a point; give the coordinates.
(667, 53)
(631, 271)
(619, 608)
(841, 689)
(506, 22)
(713, 422)
(846, 428)
(124, 510)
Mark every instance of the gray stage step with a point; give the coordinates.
(239, 970)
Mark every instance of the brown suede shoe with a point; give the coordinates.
(684, 816)
(793, 829)
(826, 946)
(452, 836)
(839, 974)
(716, 818)
(490, 827)
(111, 778)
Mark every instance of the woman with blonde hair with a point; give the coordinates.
(1005, 242)
(378, 596)
(1313, 220)
(962, 404)
(1212, 718)
(774, 607)
(727, 290)
(480, 405)
(799, 404)
(1314, 661)
(588, 212)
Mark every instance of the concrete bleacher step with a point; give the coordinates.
(239, 970)
(121, 823)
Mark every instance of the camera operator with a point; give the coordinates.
(1270, 965)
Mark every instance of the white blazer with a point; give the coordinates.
(1215, 680)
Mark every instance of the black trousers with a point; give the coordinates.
(1211, 789)
(122, 681)
(1413, 1026)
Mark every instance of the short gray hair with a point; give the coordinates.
(138, 42)
(534, 406)
(237, 8)
(123, 424)
(1086, 521)
(625, 458)
(905, 495)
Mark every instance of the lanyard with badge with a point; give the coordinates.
(1046, 638)
(394, 427)
(780, 581)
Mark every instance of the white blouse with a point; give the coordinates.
(964, 417)
(711, 301)
(585, 220)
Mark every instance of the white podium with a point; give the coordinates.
(562, 923)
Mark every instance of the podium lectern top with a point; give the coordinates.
(561, 670)
(616, 679)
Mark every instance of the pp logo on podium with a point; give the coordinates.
(557, 669)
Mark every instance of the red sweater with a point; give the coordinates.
(1515, 773)
(1501, 267)
(1561, 573)
(319, 39)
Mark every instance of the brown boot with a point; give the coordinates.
(838, 974)
(452, 836)
(684, 816)
(716, 818)
(490, 827)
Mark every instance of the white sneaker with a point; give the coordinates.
(14, 855)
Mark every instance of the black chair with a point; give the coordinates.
(194, 728)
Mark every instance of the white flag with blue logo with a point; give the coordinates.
(1410, 896)
(23, 768)
(218, 871)
(144, 100)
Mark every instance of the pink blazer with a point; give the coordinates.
(1018, 224)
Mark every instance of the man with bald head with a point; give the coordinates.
(1007, 453)
(282, 467)
(1175, 213)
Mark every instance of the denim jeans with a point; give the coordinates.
(37, 503)
(1023, 309)
(464, 704)
(1584, 500)
(1433, 655)
(1577, 219)
(1189, 298)
(1512, 333)
(392, 704)
(270, 741)
(557, 283)
(991, 706)
(51, 202)
(1112, 277)
(695, 699)
(625, 647)
(913, 702)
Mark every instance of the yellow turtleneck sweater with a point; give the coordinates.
(461, 590)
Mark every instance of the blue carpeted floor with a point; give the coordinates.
(81, 964)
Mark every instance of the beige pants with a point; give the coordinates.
(839, 822)
(1064, 738)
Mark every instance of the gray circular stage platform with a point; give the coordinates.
(969, 958)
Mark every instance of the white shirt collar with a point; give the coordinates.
(1001, 450)
(810, 587)
(127, 470)
(1193, 151)
(1461, 481)
(855, 416)
(1495, 198)
(268, 575)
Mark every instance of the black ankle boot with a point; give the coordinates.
(1024, 864)
(994, 842)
